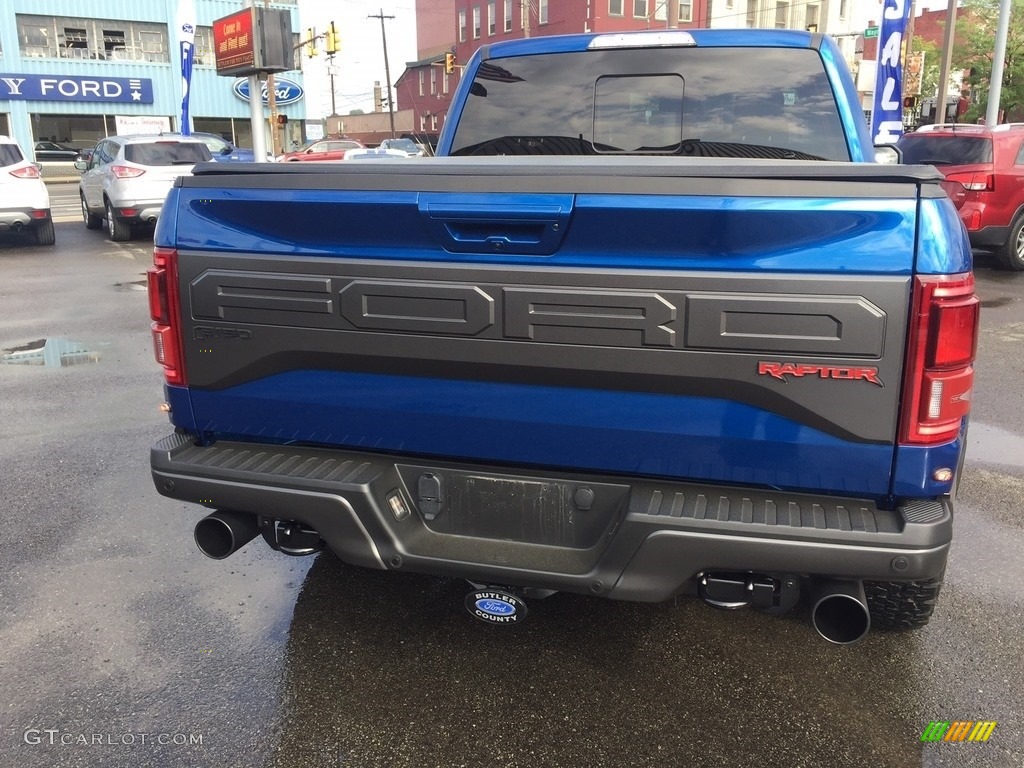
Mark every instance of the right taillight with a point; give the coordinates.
(943, 342)
(162, 281)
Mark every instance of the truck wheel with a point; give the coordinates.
(92, 221)
(118, 229)
(1011, 253)
(901, 604)
(44, 233)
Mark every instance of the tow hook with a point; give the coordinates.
(496, 605)
(291, 537)
(730, 591)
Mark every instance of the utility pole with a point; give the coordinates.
(995, 84)
(275, 137)
(527, 7)
(947, 61)
(908, 50)
(333, 45)
(387, 70)
(259, 143)
(330, 72)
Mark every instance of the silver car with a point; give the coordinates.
(408, 146)
(127, 178)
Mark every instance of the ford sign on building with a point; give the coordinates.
(285, 91)
(74, 73)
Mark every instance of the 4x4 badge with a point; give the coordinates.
(798, 370)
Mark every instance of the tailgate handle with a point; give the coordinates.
(502, 227)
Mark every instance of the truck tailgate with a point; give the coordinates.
(642, 317)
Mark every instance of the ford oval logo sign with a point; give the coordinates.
(495, 606)
(285, 91)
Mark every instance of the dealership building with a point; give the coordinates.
(75, 79)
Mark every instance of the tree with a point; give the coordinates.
(974, 54)
(356, 112)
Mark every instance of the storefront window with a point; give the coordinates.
(203, 54)
(98, 39)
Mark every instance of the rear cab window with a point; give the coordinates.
(167, 153)
(944, 149)
(672, 101)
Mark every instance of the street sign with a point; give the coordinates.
(871, 32)
(912, 74)
(253, 40)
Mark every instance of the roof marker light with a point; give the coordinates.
(674, 39)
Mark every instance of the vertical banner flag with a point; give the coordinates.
(887, 110)
(186, 47)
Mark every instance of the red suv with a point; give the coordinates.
(324, 149)
(984, 169)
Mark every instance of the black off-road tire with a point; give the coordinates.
(1011, 253)
(901, 604)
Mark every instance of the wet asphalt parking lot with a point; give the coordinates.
(121, 645)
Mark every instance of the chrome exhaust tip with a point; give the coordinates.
(840, 611)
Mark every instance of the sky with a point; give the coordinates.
(361, 60)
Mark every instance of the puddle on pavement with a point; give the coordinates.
(135, 285)
(52, 353)
(1000, 302)
(993, 445)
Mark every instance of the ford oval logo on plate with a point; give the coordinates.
(495, 606)
(285, 91)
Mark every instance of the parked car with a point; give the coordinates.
(323, 149)
(376, 154)
(223, 151)
(984, 170)
(24, 201)
(85, 153)
(127, 178)
(48, 151)
(408, 146)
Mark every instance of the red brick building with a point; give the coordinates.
(426, 89)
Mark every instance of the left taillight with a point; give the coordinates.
(940, 372)
(162, 281)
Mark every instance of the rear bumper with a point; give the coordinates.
(989, 237)
(17, 218)
(624, 538)
(146, 211)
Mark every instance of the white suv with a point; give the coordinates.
(24, 201)
(127, 178)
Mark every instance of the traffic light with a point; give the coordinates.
(909, 102)
(449, 63)
(282, 119)
(332, 41)
(311, 42)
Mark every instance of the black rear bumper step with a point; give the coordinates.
(637, 539)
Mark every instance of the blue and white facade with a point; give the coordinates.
(77, 78)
